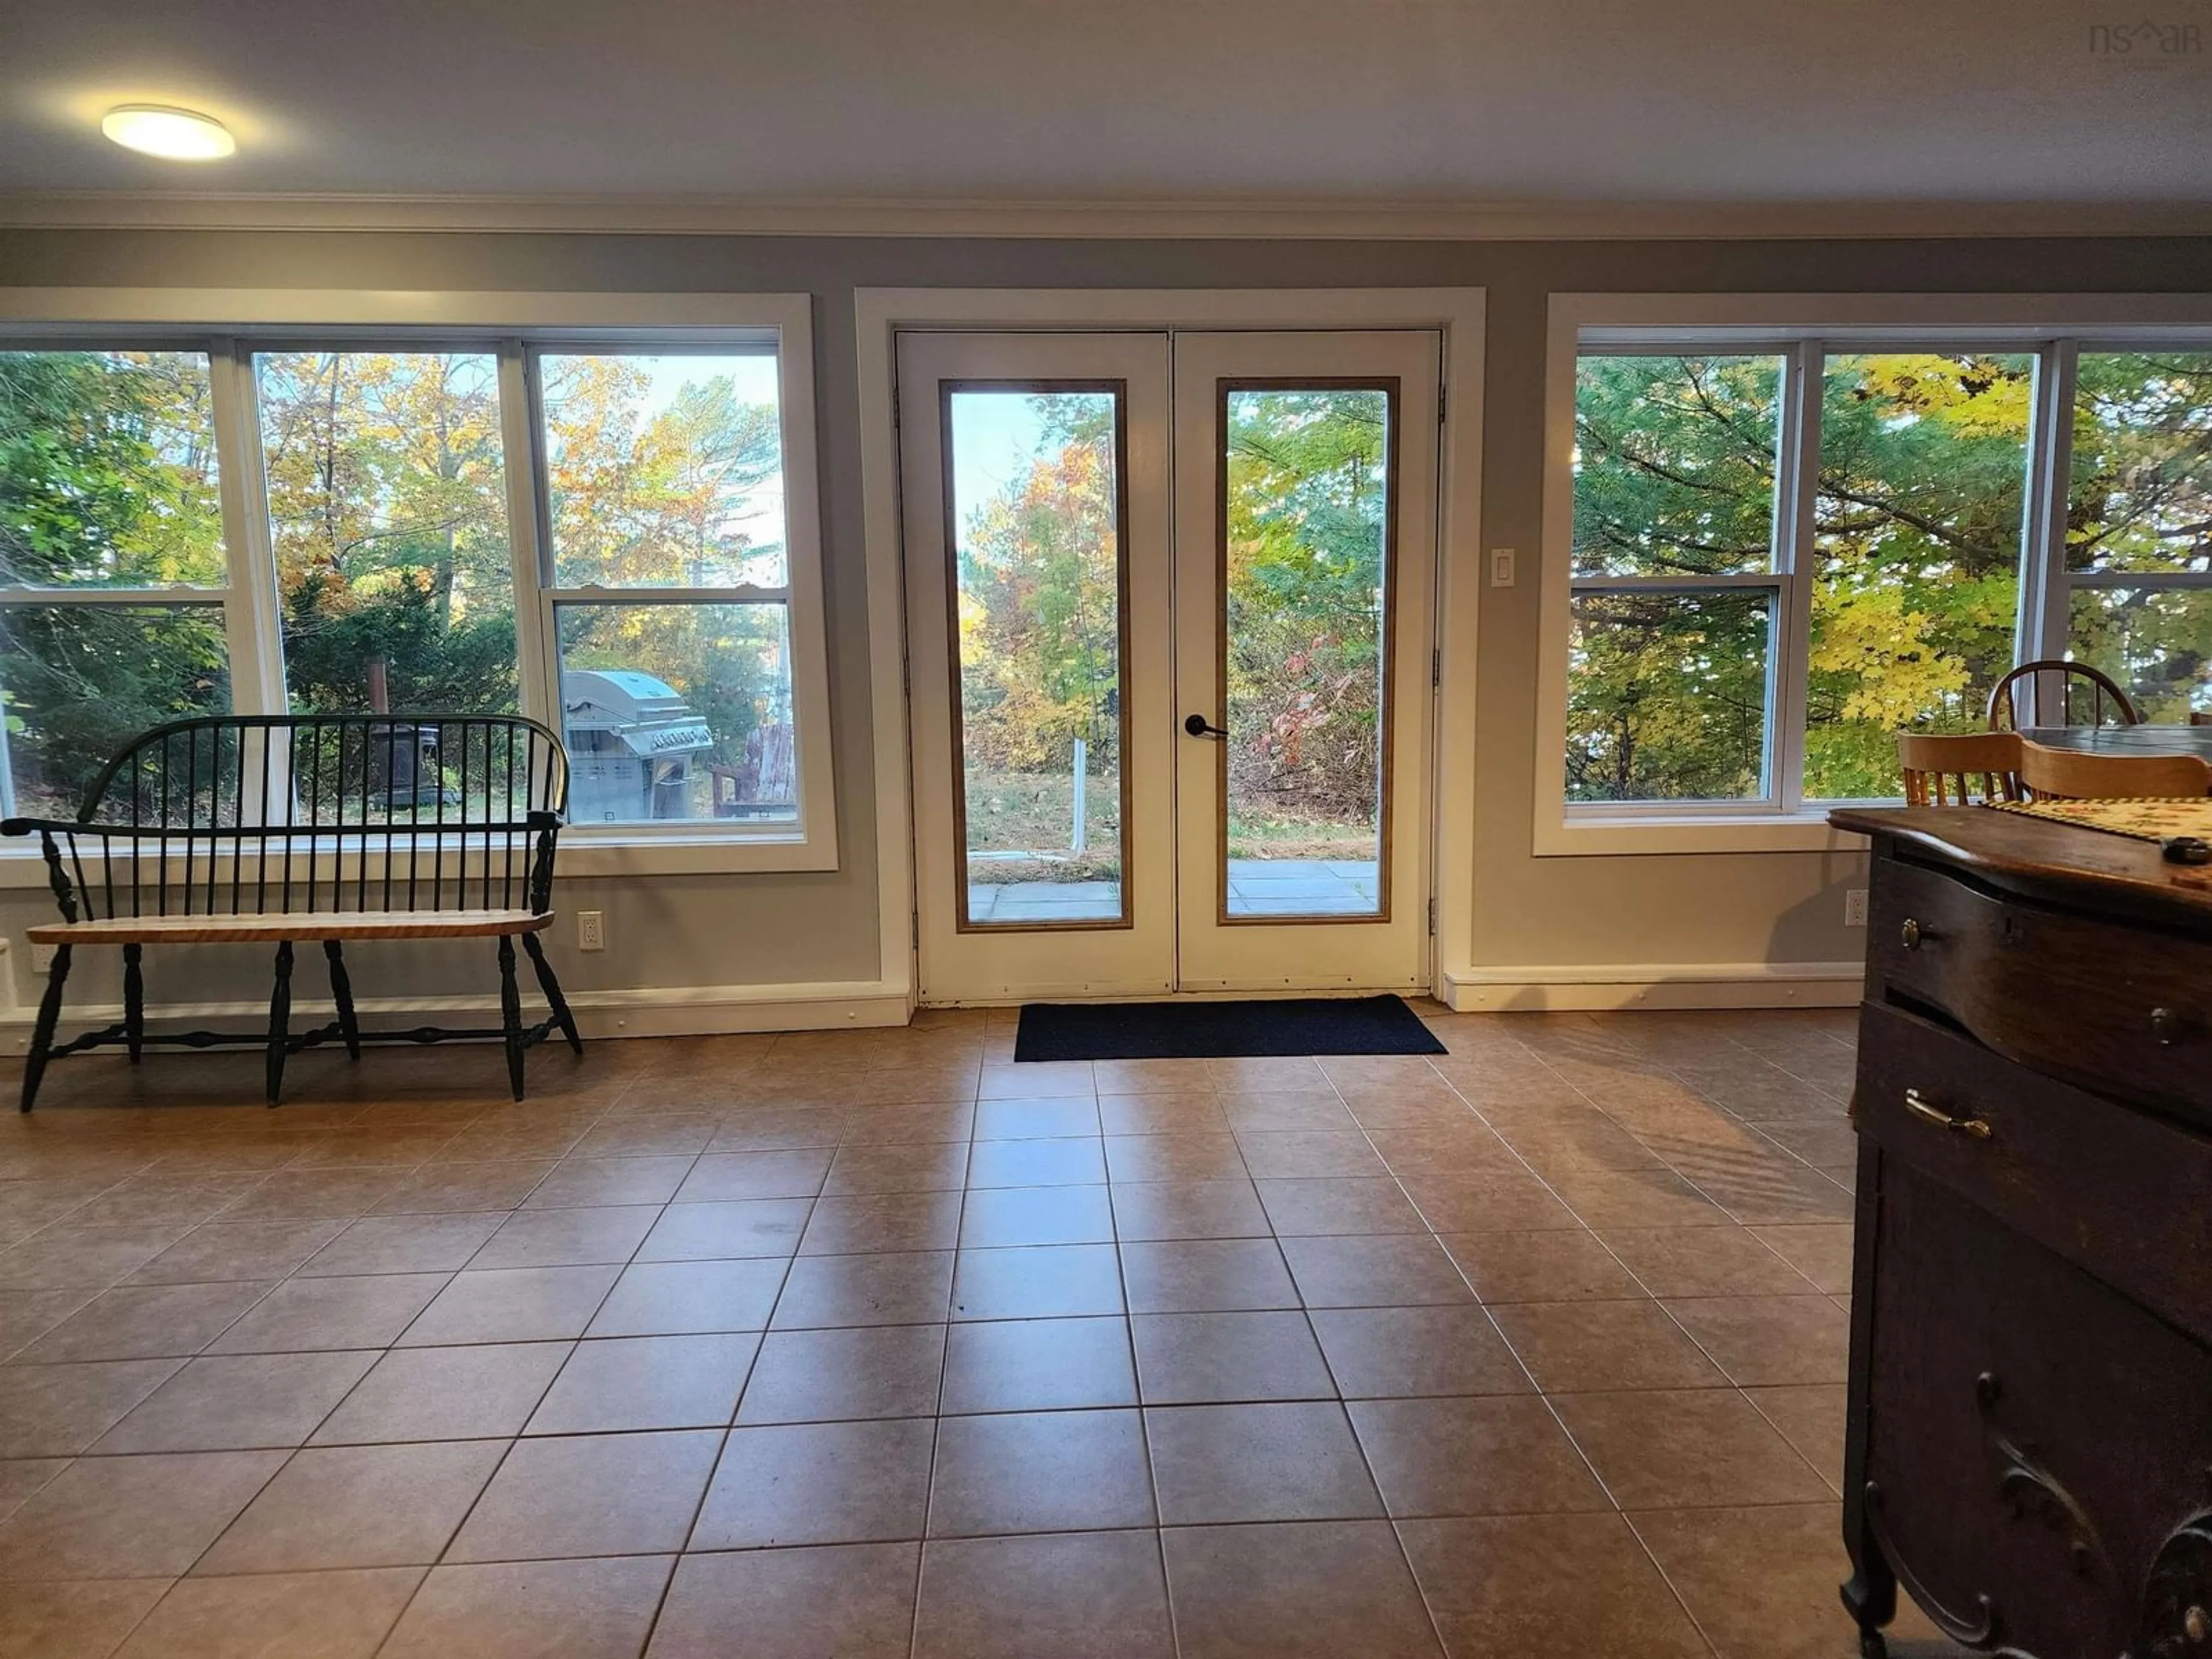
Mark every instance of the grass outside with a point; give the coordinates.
(1034, 812)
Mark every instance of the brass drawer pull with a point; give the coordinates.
(1977, 1127)
(1914, 933)
(2165, 1028)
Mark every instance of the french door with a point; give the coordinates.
(1170, 612)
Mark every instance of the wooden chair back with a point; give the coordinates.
(2102, 692)
(2072, 775)
(1971, 770)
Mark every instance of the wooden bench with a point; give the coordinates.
(272, 827)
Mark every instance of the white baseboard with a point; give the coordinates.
(670, 1011)
(1644, 984)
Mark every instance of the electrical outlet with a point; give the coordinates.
(42, 958)
(591, 930)
(1501, 567)
(1855, 900)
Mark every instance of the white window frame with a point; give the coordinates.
(230, 324)
(1803, 328)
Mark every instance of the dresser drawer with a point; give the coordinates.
(2124, 1194)
(2034, 1441)
(2080, 997)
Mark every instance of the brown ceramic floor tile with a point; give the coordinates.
(1049, 1080)
(818, 1483)
(906, 1287)
(1606, 1198)
(441, 1186)
(568, 1238)
(515, 1304)
(1060, 1470)
(1038, 1364)
(1454, 1201)
(1759, 1340)
(718, 1176)
(358, 1506)
(1503, 1456)
(94, 1257)
(843, 1602)
(998, 1218)
(82, 1619)
(777, 1128)
(57, 1411)
(533, 1610)
(302, 1314)
(26, 1315)
(293, 1194)
(1822, 1252)
(1387, 1270)
(306, 1615)
(582, 1183)
(446, 1393)
(1559, 1265)
(1197, 1357)
(1207, 1275)
(1675, 1261)
(819, 1376)
(149, 1321)
(893, 1125)
(1074, 1595)
(923, 1166)
(1188, 1157)
(1656, 1448)
(1183, 1208)
(710, 1232)
(1577, 1346)
(604, 1494)
(1811, 1418)
(864, 1224)
(618, 1383)
(224, 1249)
(1395, 1351)
(1339, 1154)
(1286, 1111)
(1053, 1281)
(131, 1517)
(1062, 1163)
(1331, 1205)
(660, 1134)
(1036, 1120)
(20, 1477)
(1187, 1109)
(1548, 1587)
(1282, 1462)
(405, 1244)
(1295, 1592)
(238, 1403)
(677, 1298)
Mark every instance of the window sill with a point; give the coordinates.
(1599, 836)
(591, 854)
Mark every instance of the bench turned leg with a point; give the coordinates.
(280, 1014)
(342, 993)
(42, 1034)
(134, 1001)
(510, 1013)
(551, 987)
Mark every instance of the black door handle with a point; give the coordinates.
(1197, 726)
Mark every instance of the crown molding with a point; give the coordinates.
(1318, 219)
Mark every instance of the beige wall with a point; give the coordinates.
(773, 929)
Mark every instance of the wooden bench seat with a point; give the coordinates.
(299, 924)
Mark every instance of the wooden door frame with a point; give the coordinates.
(881, 313)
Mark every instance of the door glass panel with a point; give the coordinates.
(1306, 535)
(1033, 483)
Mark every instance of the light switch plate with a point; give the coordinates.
(1501, 567)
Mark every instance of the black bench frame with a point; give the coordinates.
(358, 826)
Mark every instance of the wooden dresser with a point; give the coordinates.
(2030, 1441)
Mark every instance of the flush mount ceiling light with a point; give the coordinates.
(175, 135)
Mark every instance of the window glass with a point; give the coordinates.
(2140, 503)
(663, 471)
(1667, 695)
(678, 713)
(387, 507)
(1916, 553)
(1674, 464)
(107, 471)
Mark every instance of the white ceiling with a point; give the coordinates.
(1709, 101)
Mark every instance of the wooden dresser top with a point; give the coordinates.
(2057, 863)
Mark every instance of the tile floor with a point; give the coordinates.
(876, 1344)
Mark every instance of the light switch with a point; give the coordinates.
(1501, 567)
